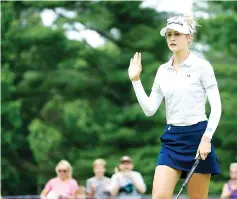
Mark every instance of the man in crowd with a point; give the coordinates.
(127, 183)
(98, 186)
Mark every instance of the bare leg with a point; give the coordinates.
(164, 182)
(198, 186)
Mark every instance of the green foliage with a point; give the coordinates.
(42, 138)
(63, 99)
(217, 32)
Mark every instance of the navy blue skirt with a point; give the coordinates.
(179, 148)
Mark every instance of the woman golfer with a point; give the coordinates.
(184, 81)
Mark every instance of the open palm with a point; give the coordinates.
(135, 67)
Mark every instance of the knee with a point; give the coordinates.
(161, 195)
(196, 196)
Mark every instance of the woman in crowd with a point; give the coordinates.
(63, 186)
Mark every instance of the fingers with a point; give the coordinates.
(137, 58)
(204, 149)
(140, 58)
(203, 156)
(131, 61)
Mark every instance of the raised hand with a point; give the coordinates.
(116, 170)
(93, 188)
(135, 67)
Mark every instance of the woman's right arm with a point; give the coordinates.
(149, 104)
(46, 190)
(225, 192)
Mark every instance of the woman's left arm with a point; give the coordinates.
(214, 118)
(215, 103)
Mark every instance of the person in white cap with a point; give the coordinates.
(184, 81)
(126, 183)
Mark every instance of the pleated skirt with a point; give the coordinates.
(179, 148)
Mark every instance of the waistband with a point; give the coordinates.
(180, 129)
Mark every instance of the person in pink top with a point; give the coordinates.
(63, 186)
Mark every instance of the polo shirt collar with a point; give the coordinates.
(187, 62)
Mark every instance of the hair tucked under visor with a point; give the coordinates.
(192, 23)
(182, 24)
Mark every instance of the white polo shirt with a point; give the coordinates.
(185, 90)
(185, 93)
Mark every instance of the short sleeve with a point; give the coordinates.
(48, 186)
(156, 84)
(113, 182)
(208, 76)
(75, 186)
(88, 186)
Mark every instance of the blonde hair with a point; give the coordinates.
(234, 164)
(99, 161)
(66, 164)
(192, 23)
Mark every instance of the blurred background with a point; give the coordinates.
(66, 92)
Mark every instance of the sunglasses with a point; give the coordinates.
(64, 171)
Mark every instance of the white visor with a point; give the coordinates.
(178, 24)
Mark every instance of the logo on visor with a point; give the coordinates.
(173, 22)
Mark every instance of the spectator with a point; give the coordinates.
(63, 186)
(98, 185)
(230, 188)
(125, 181)
(81, 193)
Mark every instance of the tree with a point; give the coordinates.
(217, 32)
(67, 100)
(64, 99)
